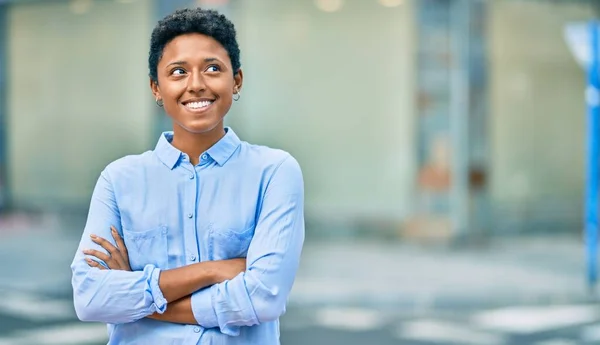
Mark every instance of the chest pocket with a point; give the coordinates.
(226, 244)
(147, 247)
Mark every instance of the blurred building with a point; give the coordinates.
(425, 118)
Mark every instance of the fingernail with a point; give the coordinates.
(93, 236)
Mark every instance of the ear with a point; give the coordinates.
(238, 79)
(155, 89)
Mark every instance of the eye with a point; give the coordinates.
(213, 68)
(178, 71)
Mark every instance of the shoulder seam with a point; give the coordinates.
(287, 156)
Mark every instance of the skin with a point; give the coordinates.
(196, 67)
(193, 68)
(176, 284)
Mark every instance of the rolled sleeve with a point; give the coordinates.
(111, 296)
(159, 303)
(260, 293)
(203, 310)
(116, 296)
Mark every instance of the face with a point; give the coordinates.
(196, 83)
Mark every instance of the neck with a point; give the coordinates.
(194, 144)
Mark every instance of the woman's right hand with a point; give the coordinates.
(117, 257)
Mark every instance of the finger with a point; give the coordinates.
(114, 252)
(121, 257)
(98, 254)
(120, 243)
(104, 244)
(93, 263)
(118, 254)
(107, 259)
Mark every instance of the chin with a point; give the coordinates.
(200, 127)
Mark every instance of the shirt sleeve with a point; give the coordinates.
(105, 295)
(260, 293)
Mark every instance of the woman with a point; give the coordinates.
(199, 240)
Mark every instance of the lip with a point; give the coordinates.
(199, 110)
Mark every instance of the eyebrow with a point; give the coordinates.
(210, 59)
(213, 59)
(177, 63)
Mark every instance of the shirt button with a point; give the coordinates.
(197, 329)
(193, 257)
(190, 215)
(191, 176)
(204, 156)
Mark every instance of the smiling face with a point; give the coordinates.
(196, 83)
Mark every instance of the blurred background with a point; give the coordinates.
(443, 145)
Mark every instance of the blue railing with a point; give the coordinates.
(593, 106)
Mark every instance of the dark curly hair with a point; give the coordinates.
(196, 20)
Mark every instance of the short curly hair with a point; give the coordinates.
(193, 20)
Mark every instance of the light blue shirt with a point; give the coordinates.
(241, 200)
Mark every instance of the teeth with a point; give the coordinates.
(198, 105)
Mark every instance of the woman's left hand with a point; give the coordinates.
(117, 257)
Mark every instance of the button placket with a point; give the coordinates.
(191, 246)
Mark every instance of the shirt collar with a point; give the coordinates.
(220, 152)
(223, 149)
(166, 152)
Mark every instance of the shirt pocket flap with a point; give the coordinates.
(147, 247)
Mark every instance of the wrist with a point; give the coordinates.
(155, 316)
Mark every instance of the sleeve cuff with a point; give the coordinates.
(206, 315)
(203, 310)
(159, 303)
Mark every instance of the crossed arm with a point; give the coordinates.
(210, 294)
(177, 285)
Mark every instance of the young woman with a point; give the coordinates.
(199, 240)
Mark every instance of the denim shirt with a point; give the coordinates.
(240, 200)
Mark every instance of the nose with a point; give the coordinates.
(196, 82)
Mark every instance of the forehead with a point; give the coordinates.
(192, 48)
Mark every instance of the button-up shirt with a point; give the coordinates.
(240, 200)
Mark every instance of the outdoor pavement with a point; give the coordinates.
(515, 290)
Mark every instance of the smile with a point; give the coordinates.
(200, 105)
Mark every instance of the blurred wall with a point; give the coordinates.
(78, 96)
(337, 91)
(537, 113)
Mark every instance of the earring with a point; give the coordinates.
(160, 102)
(238, 94)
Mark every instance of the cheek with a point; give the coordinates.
(171, 96)
(227, 98)
(223, 87)
(170, 101)
(226, 103)
(169, 92)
